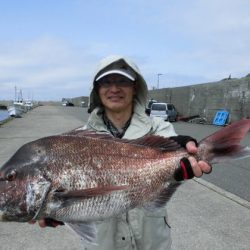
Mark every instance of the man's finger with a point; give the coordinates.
(195, 167)
(191, 147)
(206, 168)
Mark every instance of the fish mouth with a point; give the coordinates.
(36, 197)
(28, 202)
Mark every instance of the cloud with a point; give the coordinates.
(188, 41)
(46, 63)
(204, 38)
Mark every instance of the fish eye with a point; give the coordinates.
(11, 176)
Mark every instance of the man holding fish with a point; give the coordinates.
(118, 101)
(110, 180)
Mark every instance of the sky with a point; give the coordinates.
(49, 49)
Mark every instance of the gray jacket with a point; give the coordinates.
(138, 229)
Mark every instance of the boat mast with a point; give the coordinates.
(15, 94)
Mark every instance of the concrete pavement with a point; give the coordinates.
(202, 216)
(232, 176)
(40, 122)
(208, 218)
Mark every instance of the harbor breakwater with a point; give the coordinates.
(232, 95)
(204, 100)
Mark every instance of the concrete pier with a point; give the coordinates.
(202, 216)
(39, 122)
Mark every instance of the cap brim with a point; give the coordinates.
(116, 71)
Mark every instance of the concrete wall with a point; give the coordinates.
(205, 99)
(77, 101)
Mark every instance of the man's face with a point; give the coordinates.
(116, 92)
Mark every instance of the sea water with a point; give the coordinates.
(4, 114)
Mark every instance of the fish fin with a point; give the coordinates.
(153, 141)
(86, 230)
(89, 192)
(224, 144)
(89, 133)
(163, 197)
(156, 142)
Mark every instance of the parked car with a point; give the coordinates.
(148, 108)
(67, 103)
(166, 111)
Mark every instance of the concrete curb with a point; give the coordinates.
(223, 192)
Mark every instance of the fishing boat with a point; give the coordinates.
(28, 105)
(17, 108)
(15, 111)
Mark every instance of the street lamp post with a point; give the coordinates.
(158, 80)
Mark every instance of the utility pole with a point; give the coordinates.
(158, 80)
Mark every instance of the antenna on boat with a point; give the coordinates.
(15, 93)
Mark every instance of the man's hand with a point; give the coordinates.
(47, 222)
(189, 167)
(199, 167)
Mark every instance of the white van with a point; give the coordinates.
(164, 110)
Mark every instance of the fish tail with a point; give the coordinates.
(224, 144)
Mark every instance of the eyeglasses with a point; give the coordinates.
(121, 82)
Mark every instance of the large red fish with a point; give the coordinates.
(81, 177)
